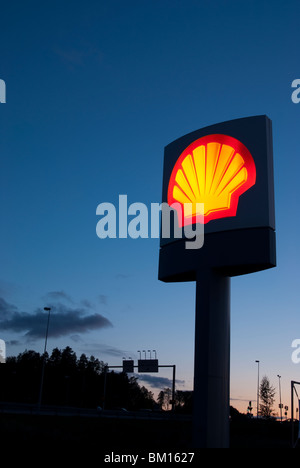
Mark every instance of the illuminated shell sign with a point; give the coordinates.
(214, 171)
(225, 174)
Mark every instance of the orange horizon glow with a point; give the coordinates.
(215, 171)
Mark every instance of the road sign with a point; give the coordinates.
(148, 366)
(128, 367)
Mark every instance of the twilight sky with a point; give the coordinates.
(95, 90)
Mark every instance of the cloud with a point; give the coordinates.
(64, 320)
(6, 309)
(112, 351)
(13, 343)
(7, 288)
(86, 303)
(158, 382)
(121, 276)
(103, 299)
(58, 296)
(63, 296)
(79, 56)
(76, 338)
(99, 349)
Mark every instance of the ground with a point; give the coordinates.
(123, 434)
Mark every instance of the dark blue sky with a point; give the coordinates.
(95, 91)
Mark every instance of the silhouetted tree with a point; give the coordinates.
(184, 401)
(125, 392)
(161, 399)
(164, 398)
(267, 395)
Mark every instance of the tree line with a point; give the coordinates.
(69, 381)
(78, 382)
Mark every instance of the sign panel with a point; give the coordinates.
(128, 367)
(224, 173)
(148, 365)
(229, 168)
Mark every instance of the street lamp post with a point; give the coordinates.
(258, 363)
(279, 377)
(47, 309)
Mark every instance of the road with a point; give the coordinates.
(22, 408)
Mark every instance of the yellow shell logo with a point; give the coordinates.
(214, 171)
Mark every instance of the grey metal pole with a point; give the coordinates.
(279, 377)
(292, 415)
(258, 362)
(47, 309)
(212, 361)
(173, 389)
(105, 387)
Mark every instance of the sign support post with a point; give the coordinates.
(212, 361)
